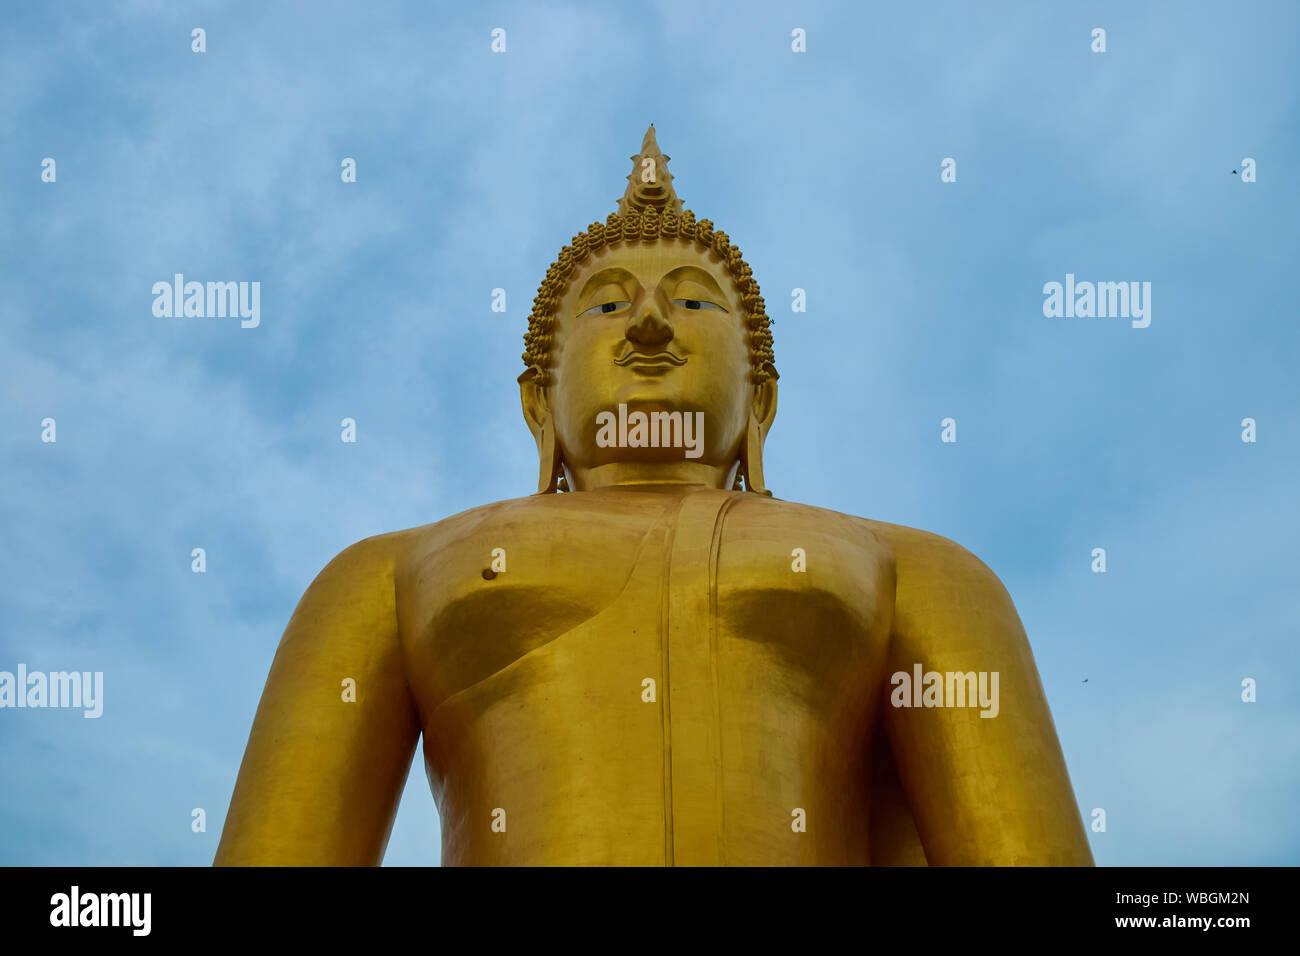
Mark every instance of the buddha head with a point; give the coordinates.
(648, 351)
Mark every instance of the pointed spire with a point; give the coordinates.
(649, 185)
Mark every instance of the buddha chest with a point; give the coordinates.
(631, 677)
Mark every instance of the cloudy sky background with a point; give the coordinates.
(924, 301)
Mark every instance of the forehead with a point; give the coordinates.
(649, 264)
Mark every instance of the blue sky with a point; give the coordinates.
(924, 302)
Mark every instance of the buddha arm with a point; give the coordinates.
(322, 775)
(982, 790)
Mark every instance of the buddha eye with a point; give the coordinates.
(605, 307)
(697, 304)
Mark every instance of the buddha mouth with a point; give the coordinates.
(660, 359)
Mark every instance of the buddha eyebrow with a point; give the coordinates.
(695, 274)
(604, 277)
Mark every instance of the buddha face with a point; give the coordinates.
(656, 328)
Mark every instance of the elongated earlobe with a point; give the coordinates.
(751, 459)
(537, 413)
(550, 469)
(761, 416)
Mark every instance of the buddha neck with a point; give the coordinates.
(663, 477)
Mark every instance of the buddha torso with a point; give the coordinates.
(650, 680)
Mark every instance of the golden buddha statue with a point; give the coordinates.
(652, 660)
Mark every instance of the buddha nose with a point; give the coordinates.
(650, 330)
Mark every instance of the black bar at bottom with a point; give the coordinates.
(453, 907)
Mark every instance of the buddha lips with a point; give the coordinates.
(651, 430)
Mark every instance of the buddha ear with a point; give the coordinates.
(537, 409)
(537, 413)
(764, 407)
(761, 415)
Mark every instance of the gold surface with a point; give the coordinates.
(771, 685)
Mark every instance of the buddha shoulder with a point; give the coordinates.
(920, 561)
(393, 554)
(936, 578)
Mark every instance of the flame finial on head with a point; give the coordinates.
(650, 184)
